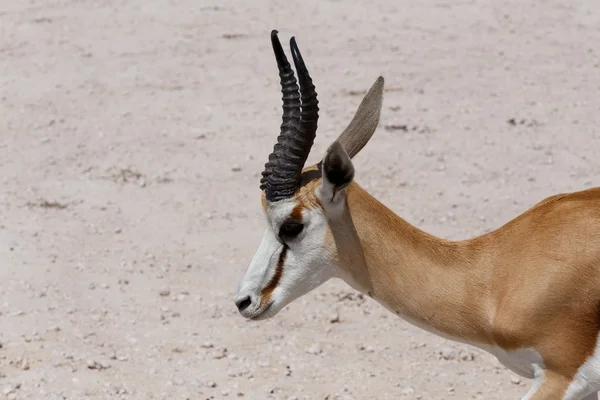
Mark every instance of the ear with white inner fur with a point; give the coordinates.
(337, 172)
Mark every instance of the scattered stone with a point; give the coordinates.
(334, 318)
(407, 391)
(233, 36)
(528, 123)
(467, 356)
(97, 365)
(366, 348)
(116, 389)
(236, 168)
(164, 292)
(220, 353)
(515, 380)
(447, 354)
(9, 390)
(211, 384)
(207, 345)
(396, 127)
(23, 364)
(314, 349)
(47, 204)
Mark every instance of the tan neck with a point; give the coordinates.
(439, 285)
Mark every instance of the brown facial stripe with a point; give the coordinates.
(296, 213)
(268, 290)
(265, 297)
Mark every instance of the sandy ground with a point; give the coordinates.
(132, 136)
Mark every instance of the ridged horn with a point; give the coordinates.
(309, 116)
(281, 176)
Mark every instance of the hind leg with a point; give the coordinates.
(549, 385)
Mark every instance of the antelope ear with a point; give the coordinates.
(337, 172)
(365, 121)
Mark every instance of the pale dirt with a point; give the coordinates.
(132, 139)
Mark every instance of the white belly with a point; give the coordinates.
(529, 364)
(523, 362)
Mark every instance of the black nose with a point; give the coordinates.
(244, 303)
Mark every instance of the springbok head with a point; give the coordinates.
(296, 253)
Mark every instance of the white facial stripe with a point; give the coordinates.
(259, 268)
(265, 294)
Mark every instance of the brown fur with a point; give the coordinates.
(532, 283)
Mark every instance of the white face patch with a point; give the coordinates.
(284, 269)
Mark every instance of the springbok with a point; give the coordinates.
(527, 292)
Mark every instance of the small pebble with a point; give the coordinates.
(447, 354)
(407, 391)
(366, 348)
(97, 365)
(314, 349)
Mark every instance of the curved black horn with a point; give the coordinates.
(281, 176)
(310, 104)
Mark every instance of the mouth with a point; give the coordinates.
(262, 314)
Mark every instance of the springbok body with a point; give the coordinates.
(528, 292)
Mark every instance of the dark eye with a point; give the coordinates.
(290, 230)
